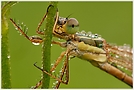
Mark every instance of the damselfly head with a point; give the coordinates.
(72, 26)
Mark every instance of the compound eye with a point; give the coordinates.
(72, 22)
(72, 26)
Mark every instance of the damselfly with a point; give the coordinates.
(87, 46)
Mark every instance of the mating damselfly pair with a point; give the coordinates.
(91, 40)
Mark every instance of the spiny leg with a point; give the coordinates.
(37, 85)
(53, 68)
(61, 75)
(65, 69)
(62, 44)
(19, 28)
(49, 74)
(42, 20)
(57, 28)
(55, 24)
(32, 39)
(57, 61)
(57, 17)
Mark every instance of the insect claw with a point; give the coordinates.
(35, 64)
(49, 7)
(36, 40)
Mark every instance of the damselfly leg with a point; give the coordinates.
(35, 39)
(63, 70)
(42, 20)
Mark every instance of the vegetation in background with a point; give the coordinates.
(47, 43)
(6, 78)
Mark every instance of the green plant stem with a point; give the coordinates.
(47, 44)
(6, 78)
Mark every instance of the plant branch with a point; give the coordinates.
(6, 78)
(47, 43)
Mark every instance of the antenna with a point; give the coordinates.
(69, 15)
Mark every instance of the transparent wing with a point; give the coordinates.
(121, 57)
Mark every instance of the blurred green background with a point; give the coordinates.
(112, 20)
